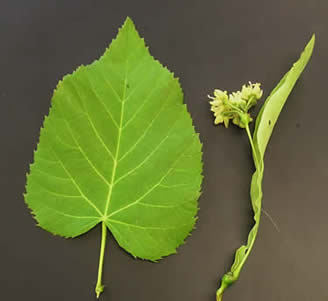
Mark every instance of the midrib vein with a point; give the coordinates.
(110, 189)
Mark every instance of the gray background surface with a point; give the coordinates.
(208, 44)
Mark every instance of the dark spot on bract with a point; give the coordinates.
(269, 122)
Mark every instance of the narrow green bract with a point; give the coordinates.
(272, 107)
(265, 123)
(118, 148)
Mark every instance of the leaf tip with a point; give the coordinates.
(128, 23)
(313, 37)
(128, 20)
(310, 45)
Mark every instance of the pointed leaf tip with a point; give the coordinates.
(88, 170)
(313, 37)
(311, 42)
(128, 23)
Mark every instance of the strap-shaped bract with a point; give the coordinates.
(265, 123)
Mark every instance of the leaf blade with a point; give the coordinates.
(116, 130)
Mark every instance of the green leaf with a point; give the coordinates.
(118, 148)
(265, 123)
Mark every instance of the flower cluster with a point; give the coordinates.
(235, 106)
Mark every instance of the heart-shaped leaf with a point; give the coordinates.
(118, 148)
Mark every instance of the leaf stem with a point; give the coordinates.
(99, 287)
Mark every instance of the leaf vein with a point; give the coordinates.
(151, 189)
(158, 206)
(85, 155)
(149, 155)
(101, 101)
(93, 125)
(143, 104)
(150, 125)
(39, 170)
(76, 185)
(145, 227)
(59, 194)
(70, 215)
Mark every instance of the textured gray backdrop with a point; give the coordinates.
(208, 44)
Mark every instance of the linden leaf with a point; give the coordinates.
(118, 148)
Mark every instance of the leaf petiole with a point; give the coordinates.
(100, 287)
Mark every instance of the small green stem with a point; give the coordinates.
(250, 140)
(220, 291)
(239, 111)
(250, 102)
(99, 287)
(233, 275)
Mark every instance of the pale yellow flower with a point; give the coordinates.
(251, 90)
(235, 106)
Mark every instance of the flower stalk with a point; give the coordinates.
(235, 107)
